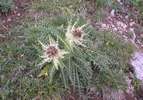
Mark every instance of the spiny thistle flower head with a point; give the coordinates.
(52, 53)
(75, 35)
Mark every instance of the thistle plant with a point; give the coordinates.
(68, 66)
(85, 61)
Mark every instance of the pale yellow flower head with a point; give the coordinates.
(52, 53)
(75, 35)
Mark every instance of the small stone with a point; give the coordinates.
(131, 20)
(141, 35)
(15, 11)
(119, 0)
(137, 63)
(112, 12)
(16, 7)
(3, 21)
(132, 23)
(18, 14)
(9, 19)
(115, 29)
(131, 29)
(103, 25)
(126, 16)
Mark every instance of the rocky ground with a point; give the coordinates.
(14, 16)
(116, 21)
(121, 23)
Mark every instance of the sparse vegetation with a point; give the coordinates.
(6, 5)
